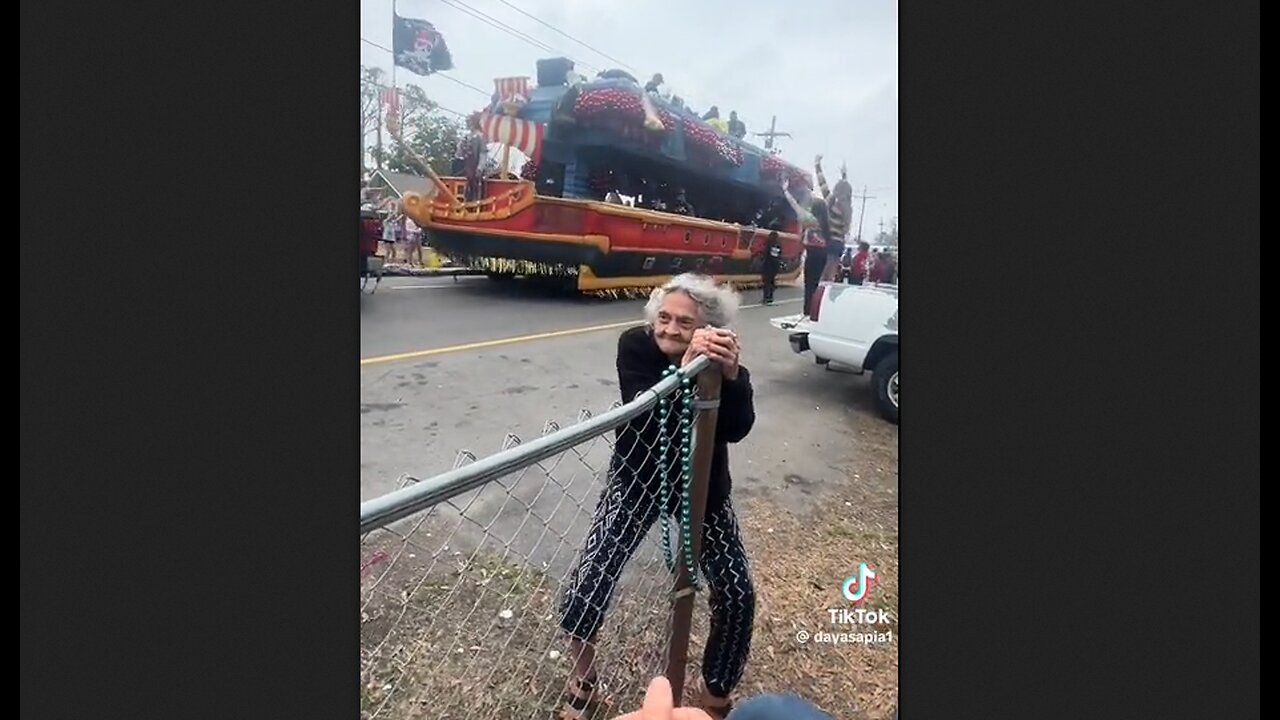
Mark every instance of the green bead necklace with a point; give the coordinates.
(685, 396)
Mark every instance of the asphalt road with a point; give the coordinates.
(448, 366)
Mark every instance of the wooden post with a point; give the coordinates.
(704, 435)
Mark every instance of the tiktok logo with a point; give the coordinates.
(856, 586)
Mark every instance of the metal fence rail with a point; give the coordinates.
(463, 575)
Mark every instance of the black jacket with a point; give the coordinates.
(772, 256)
(635, 458)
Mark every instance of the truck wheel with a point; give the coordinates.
(884, 380)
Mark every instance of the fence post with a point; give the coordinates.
(704, 435)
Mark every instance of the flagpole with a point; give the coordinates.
(394, 87)
(393, 44)
(380, 103)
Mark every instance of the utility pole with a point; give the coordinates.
(773, 133)
(379, 158)
(863, 211)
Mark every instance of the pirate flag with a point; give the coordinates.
(418, 47)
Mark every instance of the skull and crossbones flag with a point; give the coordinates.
(418, 47)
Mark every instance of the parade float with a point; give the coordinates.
(622, 189)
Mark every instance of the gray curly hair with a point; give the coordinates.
(717, 304)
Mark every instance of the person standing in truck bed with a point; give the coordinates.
(839, 211)
(815, 229)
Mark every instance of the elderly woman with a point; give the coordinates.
(686, 318)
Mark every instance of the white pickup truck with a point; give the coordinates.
(855, 326)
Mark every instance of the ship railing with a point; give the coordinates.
(509, 197)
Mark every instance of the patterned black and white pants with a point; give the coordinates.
(624, 515)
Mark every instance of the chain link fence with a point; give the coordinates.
(463, 577)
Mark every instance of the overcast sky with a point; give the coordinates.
(827, 68)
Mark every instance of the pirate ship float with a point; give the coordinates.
(700, 200)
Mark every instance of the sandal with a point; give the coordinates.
(581, 693)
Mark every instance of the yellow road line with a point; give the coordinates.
(382, 360)
(493, 343)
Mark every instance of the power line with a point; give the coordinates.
(518, 34)
(449, 110)
(491, 21)
(576, 40)
(555, 29)
(465, 85)
(450, 78)
(376, 45)
(488, 20)
(434, 105)
(463, 7)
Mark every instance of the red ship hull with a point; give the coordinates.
(600, 246)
